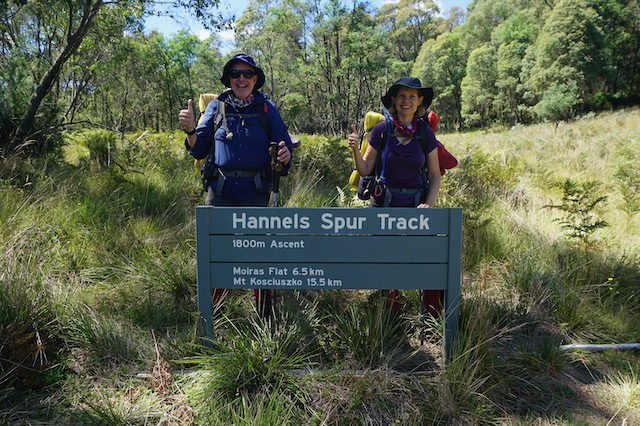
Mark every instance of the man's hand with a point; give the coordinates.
(284, 155)
(187, 118)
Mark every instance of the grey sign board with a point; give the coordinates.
(328, 248)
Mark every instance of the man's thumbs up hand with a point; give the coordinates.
(187, 118)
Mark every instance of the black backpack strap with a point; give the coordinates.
(263, 118)
(421, 135)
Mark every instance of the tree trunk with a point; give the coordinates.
(74, 39)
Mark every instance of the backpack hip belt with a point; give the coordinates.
(416, 192)
(224, 174)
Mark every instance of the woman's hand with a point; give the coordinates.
(354, 139)
(364, 164)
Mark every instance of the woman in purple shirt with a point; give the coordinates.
(402, 156)
(401, 153)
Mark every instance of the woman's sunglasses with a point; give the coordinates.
(246, 73)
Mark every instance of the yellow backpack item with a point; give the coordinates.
(370, 120)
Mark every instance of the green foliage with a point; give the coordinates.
(326, 64)
(478, 86)
(581, 205)
(441, 64)
(516, 37)
(559, 99)
(629, 187)
(99, 258)
(568, 60)
(368, 335)
(408, 24)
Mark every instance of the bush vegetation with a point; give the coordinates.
(98, 284)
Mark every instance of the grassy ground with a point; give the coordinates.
(98, 293)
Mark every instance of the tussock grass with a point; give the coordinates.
(98, 257)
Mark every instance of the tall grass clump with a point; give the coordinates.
(252, 363)
(29, 330)
(621, 391)
(105, 338)
(29, 333)
(466, 386)
(367, 335)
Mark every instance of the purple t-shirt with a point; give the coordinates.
(404, 163)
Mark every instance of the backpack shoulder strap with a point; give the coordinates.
(218, 117)
(421, 134)
(382, 152)
(263, 118)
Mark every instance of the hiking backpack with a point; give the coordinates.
(371, 119)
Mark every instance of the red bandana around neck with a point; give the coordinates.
(405, 130)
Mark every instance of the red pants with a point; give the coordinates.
(432, 301)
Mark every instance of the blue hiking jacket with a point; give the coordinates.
(243, 146)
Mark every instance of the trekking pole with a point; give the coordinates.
(264, 298)
(276, 168)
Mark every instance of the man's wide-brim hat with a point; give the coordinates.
(242, 57)
(412, 82)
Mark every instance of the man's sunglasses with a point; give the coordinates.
(246, 73)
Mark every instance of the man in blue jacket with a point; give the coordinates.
(235, 132)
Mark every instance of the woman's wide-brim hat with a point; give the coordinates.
(242, 57)
(412, 82)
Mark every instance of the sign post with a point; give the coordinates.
(330, 248)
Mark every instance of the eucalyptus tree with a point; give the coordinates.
(514, 38)
(207, 67)
(479, 86)
(345, 68)
(441, 64)
(483, 17)
(407, 25)
(135, 85)
(276, 34)
(49, 32)
(620, 24)
(569, 62)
